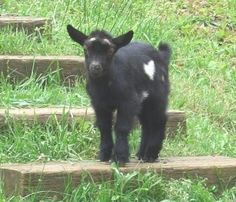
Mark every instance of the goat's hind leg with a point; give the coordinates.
(144, 136)
(155, 137)
(153, 121)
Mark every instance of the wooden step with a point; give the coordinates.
(176, 119)
(27, 23)
(18, 68)
(53, 177)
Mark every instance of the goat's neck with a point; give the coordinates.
(102, 82)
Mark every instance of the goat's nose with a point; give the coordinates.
(96, 68)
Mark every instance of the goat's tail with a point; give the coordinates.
(165, 52)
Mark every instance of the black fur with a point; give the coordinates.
(119, 85)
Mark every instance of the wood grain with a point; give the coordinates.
(176, 119)
(22, 179)
(17, 68)
(28, 23)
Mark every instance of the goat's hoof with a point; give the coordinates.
(104, 157)
(104, 160)
(140, 157)
(120, 161)
(149, 159)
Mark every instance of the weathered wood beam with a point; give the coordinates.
(18, 68)
(53, 177)
(27, 23)
(176, 119)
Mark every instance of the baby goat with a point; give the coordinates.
(131, 78)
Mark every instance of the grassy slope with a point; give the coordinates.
(203, 77)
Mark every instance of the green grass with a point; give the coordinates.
(41, 92)
(203, 83)
(139, 187)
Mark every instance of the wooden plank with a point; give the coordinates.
(18, 68)
(27, 23)
(176, 119)
(52, 177)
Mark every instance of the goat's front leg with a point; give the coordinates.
(104, 123)
(123, 126)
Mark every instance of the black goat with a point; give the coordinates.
(131, 78)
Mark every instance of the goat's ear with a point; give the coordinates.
(123, 39)
(76, 35)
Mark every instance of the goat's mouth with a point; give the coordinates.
(95, 74)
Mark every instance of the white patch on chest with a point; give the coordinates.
(149, 69)
(144, 95)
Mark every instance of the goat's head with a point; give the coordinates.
(99, 49)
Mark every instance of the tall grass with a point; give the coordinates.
(203, 83)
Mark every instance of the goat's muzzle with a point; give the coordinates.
(95, 70)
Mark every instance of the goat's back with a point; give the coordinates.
(130, 60)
